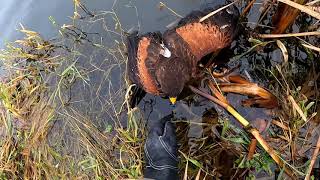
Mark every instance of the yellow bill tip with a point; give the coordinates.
(173, 100)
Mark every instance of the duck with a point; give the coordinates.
(162, 64)
(152, 66)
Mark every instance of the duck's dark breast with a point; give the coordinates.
(203, 38)
(143, 56)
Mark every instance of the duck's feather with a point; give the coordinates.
(143, 56)
(132, 67)
(209, 36)
(180, 48)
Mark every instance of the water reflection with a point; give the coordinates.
(33, 14)
(144, 14)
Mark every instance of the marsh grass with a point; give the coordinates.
(44, 133)
(298, 113)
(26, 110)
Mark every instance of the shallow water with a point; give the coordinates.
(100, 97)
(34, 14)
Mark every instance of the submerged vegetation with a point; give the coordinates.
(64, 110)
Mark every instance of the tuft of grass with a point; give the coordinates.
(26, 112)
(43, 132)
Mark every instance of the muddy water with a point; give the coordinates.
(33, 14)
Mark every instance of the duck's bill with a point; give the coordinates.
(173, 100)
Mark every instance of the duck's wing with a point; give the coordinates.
(180, 48)
(132, 66)
(211, 35)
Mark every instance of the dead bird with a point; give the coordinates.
(163, 64)
(152, 67)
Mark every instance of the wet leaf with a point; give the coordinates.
(196, 163)
(239, 140)
(285, 16)
(283, 50)
(260, 96)
(309, 106)
(297, 108)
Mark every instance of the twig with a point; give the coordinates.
(313, 159)
(269, 36)
(311, 47)
(171, 10)
(247, 9)
(302, 8)
(270, 151)
(215, 91)
(252, 148)
(312, 2)
(230, 109)
(215, 100)
(215, 11)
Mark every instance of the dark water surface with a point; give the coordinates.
(34, 14)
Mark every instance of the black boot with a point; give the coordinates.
(161, 151)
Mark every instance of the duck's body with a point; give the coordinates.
(162, 65)
(153, 67)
